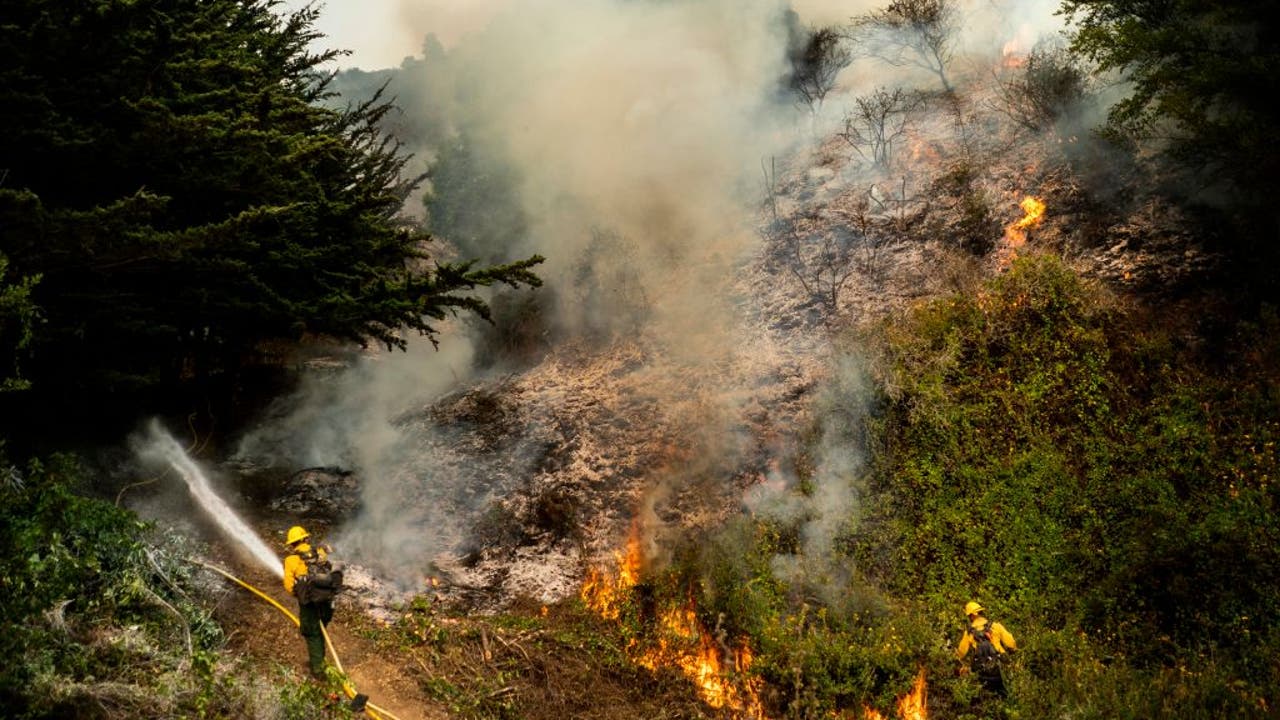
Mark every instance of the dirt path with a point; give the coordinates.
(260, 631)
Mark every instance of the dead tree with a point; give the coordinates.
(867, 233)
(1050, 84)
(815, 64)
(823, 254)
(916, 33)
(819, 255)
(877, 122)
(898, 212)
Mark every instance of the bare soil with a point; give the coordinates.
(260, 632)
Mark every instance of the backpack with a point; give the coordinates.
(321, 583)
(985, 654)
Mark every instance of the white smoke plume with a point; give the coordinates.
(631, 132)
(829, 501)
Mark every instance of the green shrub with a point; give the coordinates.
(1083, 474)
(101, 617)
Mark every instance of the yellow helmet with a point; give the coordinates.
(970, 608)
(296, 534)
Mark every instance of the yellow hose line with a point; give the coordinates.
(329, 642)
(251, 589)
(371, 710)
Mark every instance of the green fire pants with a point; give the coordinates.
(310, 617)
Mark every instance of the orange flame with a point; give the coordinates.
(1015, 235)
(681, 641)
(605, 593)
(911, 706)
(1033, 212)
(1011, 57)
(1014, 52)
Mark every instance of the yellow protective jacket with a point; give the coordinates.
(1002, 639)
(295, 567)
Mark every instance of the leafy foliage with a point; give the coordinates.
(18, 315)
(473, 200)
(98, 615)
(1104, 490)
(1040, 451)
(1049, 85)
(1202, 76)
(173, 178)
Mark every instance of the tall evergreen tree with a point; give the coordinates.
(169, 171)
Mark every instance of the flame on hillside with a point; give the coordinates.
(1014, 52)
(912, 706)
(680, 639)
(1015, 235)
(684, 643)
(605, 592)
(1012, 58)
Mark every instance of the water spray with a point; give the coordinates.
(163, 445)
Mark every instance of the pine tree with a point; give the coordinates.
(171, 171)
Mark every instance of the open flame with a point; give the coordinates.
(1013, 54)
(1033, 212)
(911, 706)
(1015, 235)
(604, 592)
(680, 639)
(718, 670)
(1011, 57)
(683, 642)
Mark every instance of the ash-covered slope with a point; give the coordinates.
(696, 336)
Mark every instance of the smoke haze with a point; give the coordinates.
(630, 133)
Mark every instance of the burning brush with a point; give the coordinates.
(1015, 235)
(681, 641)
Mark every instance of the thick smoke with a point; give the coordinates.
(645, 121)
(348, 416)
(626, 139)
(622, 140)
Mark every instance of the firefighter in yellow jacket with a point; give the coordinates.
(309, 576)
(990, 643)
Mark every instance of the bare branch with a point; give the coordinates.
(916, 33)
(877, 122)
(815, 65)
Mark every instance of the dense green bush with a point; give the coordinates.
(1104, 487)
(1044, 452)
(176, 179)
(99, 616)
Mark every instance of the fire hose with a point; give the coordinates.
(373, 711)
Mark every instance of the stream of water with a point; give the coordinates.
(213, 505)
